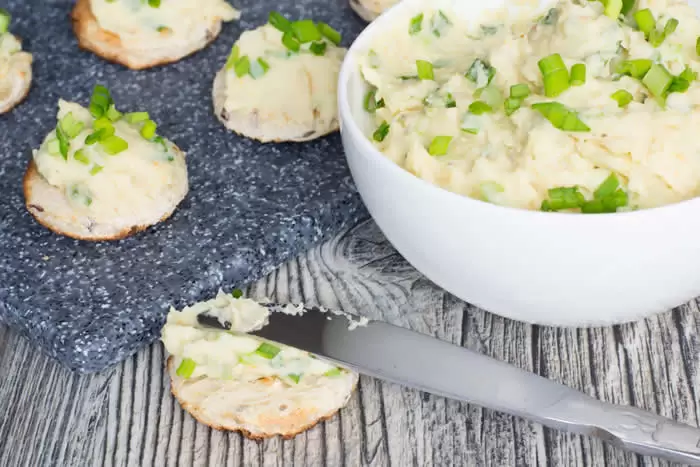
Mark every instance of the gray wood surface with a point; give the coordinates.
(127, 417)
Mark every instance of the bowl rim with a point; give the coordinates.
(350, 70)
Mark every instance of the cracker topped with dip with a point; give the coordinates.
(145, 33)
(102, 174)
(15, 66)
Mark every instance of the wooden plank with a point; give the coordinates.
(127, 417)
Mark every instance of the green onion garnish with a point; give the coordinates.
(381, 132)
(480, 73)
(688, 74)
(148, 130)
(555, 75)
(371, 102)
(268, 351)
(5, 19)
(439, 145)
(608, 187)
(578, 74)
(100, 101)
(645, 21)
(450, 101)
(294, 377)
(318, 48)
(627, 6)
(306, 31)
(656, 37)
(333, 373)
(233, 56)
(612, 8)
(113, 114)
(636, 68)
(96, 136)
(479, 107)
(560, 116)
(113, 145)
(163, 29)
(237, 293)
(81, 157)
(329, 33)
(290, 42)
(154, 3)
(103, 124)
(279, 22)
(697, 46)
(96, 169)
(519, 91)
(54, 147)
(622, 97)
(563, 198)
(186, 368)
(63, 141)
(657, 80)
(136, 117)
(258, 68)
(511, 104)
(70, 126)
(416, 25)
(242, 66)
(438, 22)
(425, 70)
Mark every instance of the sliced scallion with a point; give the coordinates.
(479, 107)
(645, 21)
(657, 80)
(71, 126)
(439, 145)
(63, 141)
(425, 70)
(81, 157)
(612, 8)
(636, 68)
(268, 351)
(480, 73)
(103, 124)
(416, 24)
(305, 30)
(96, 169)
(656, 37)
(555, 75)
(100, 101)
(519, 91)
(608, 187)
(697, 46)
(233, 56)
(291, 42)
(148, 130)
(242, 66)
(136, 117)
(622, 97)
(95, 136)
(113, 145)
(294, 377)
(563, 198)
(258, 68)
(318, 48)
(450, 102)
(113, 114)
(511, 104)
(332, 373)
(5, 19)
(279, 22)
(237, 293)
(186, 368)
(560, 116)
(329, 33)
(381, 132)
(154, 3)
(578, 74)
(371, 102)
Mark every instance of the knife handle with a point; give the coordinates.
(628, 427)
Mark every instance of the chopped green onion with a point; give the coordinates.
(294, 377)
(268, 351)
(519, 91)
(237, 293)
(136, 117)
(148, 130)
(511, 104)
(563, 198)
(242, 66)
(627, 6)
(381, 132)
(416, 25)
(95, 136)
(612, 8)
(318, 48)
(332, 373)
(480, 73)
(560, 116)
(479, 107)
(622, 97)
(113, 145)
(233, 56)
(290, 42)
(678, 84)
(100, 101)
(657, 80)
(636, 68)
(154, 3)
(63, 141)
(656, 37)
(54, 147)
(491, 95)
(578, 74)
(608, 187)
(81, 157)
(329, 33)
(645, 21)
(104, 124)
(5, 19)
(113, 114)
(96, 169)
(258, 68)
(555, 75)
(163, 29)
(186, 368)
(279, 22)
(450, 102)
(438, 22)
(688, 74)
(425, 70)
(306, 31)
(371, 102)
(439, 145)
(71, 126)
(697, 46)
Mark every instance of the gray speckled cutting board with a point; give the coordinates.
(250, 206)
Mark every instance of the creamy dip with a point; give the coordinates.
(141, 21)
(201, 350)
(265, 77)
(119, 176)
(464, 104)
(14, 68)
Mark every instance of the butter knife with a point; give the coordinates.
(428, 364)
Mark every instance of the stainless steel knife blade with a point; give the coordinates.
(428, 364)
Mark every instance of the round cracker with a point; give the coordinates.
(263, 408)
(21, 81)
(108, 45)
(252, 126)
(49, 206)
(369, 10)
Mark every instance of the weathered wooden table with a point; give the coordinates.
(127, 416)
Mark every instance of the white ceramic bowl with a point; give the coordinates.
(547, 268)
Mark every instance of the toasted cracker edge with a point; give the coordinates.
(362, 11)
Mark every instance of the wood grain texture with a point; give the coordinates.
(127, 417)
